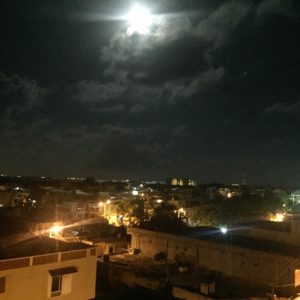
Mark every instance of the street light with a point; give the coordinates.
(223, 229)
(55, 230)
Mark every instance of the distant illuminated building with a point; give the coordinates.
(230, 191)
(181, 182)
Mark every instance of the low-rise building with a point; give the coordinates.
(261, 262)
(45, 268)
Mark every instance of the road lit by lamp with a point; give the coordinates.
(139, 19)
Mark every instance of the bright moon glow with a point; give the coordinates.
(140, 20)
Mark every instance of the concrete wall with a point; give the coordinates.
(188, 295)
(257, 266)
(124, 274)
(111, 247)
(29, 278)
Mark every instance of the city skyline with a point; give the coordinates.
(207, 91)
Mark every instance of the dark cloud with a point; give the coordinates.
(92, 92)
(180, 90)
(180, 131)
(19, 91)
(218, 26)
(211, 92)
(176, 48)
(278, 7)
(20, 97)
(284, 108)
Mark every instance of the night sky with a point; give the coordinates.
(212, 92)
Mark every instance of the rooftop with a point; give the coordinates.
(232, 238)
(191, 280)
(26, 245)
(268, 225)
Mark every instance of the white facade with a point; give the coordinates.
(69, 275)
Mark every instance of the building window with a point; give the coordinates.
(2, 285)
(56, 285)
(61, 281)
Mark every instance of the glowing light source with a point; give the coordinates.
(223, 230)
(135, 192)
(181, 212)
(279, 217)
(140, 20)
(55, 230)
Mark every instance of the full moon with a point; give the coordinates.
(139, 19)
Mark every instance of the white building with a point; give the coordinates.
(43, 268)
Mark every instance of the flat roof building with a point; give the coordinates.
(266, 263)
(44, 268)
